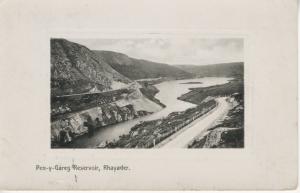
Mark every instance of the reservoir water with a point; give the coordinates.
(169, 91)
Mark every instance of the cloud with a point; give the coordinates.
(173, 50)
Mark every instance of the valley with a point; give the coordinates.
(104, 99)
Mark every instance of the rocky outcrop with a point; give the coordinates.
(216, 137)
(67, 129)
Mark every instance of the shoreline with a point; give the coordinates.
(170, 138)
(137, 123)
(183, 139)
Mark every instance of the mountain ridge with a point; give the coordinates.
(230, 69)
(139, 68)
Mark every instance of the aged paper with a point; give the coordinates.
(148, 95)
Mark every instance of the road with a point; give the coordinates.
(100, 92)
(188, 134)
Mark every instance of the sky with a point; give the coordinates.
(184, 51)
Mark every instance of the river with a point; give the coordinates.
(169, 91)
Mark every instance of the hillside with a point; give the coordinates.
(88, 94)
(141, 69)
(76, 69)
(235, 69)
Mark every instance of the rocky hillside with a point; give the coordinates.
(235, 69)
(141, 69)
(76, 69)
(86, 92)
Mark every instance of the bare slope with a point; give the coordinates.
(141, 69)
(76, 69)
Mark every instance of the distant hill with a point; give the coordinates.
(235, 69)
(141, 69)
(76, 69)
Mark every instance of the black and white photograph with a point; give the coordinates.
(147, 93)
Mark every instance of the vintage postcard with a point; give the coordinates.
(192, 96)
(148, 95)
